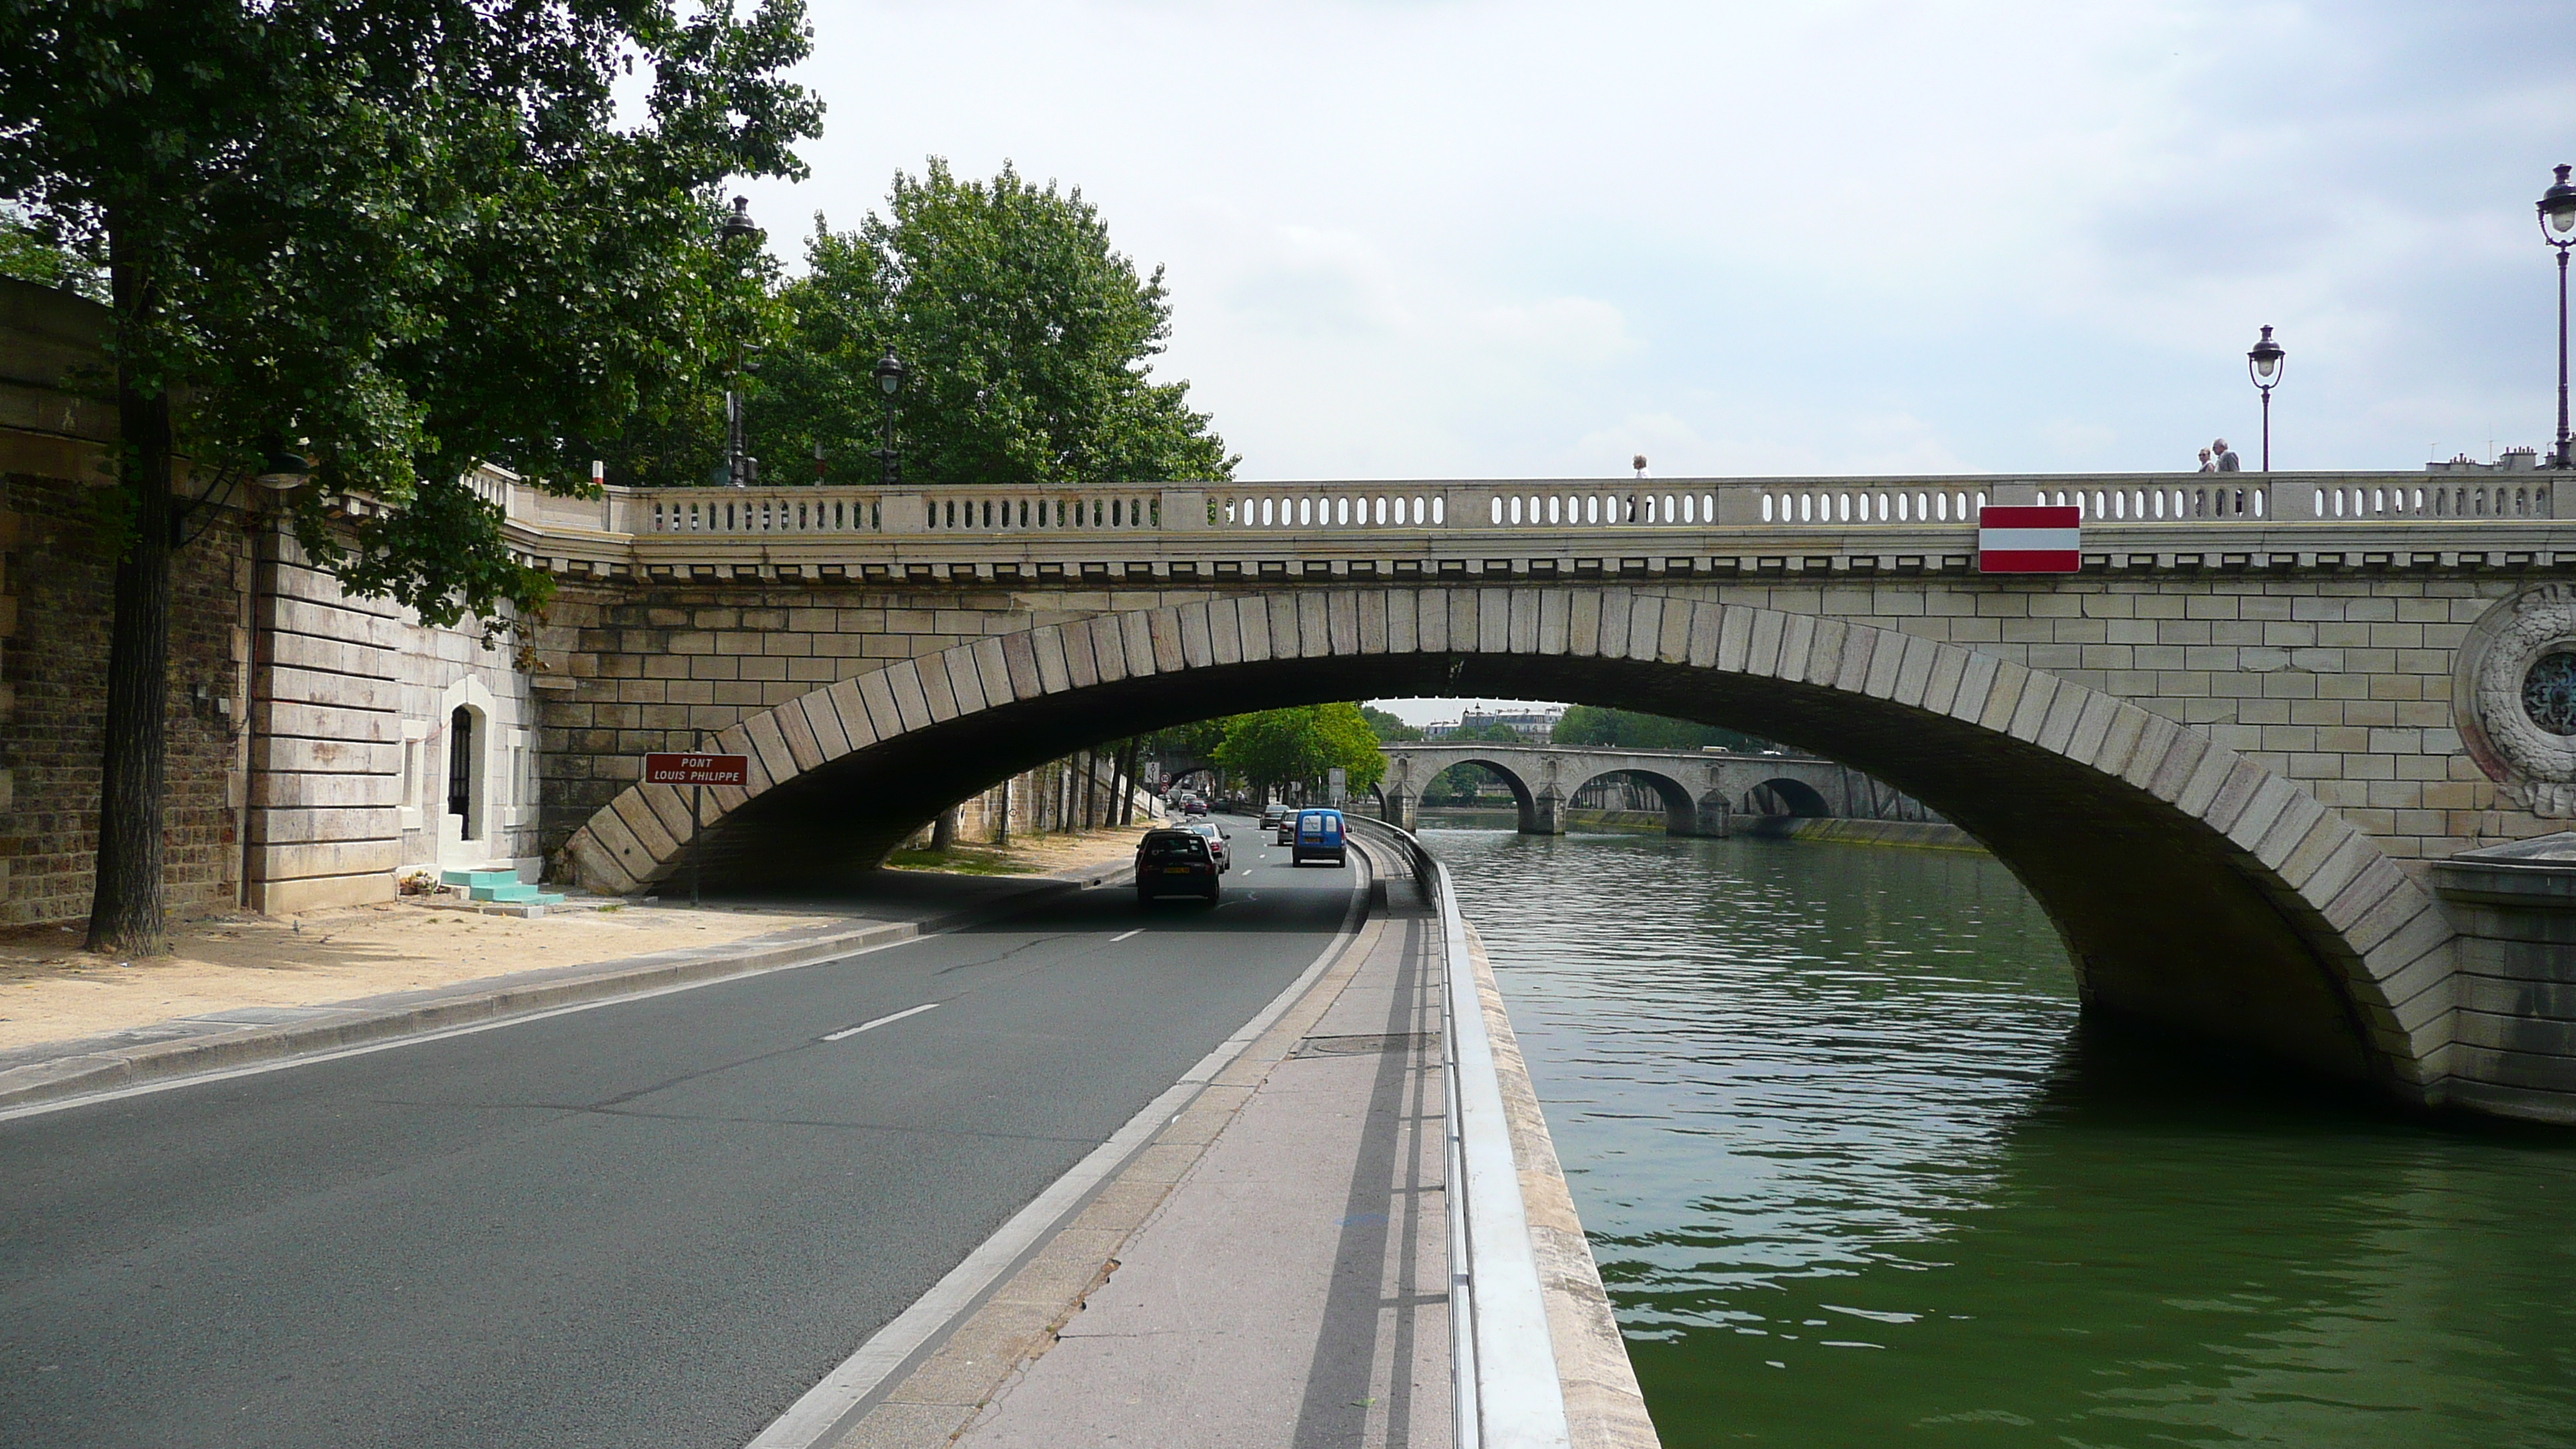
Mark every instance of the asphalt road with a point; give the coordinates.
(650, 1223)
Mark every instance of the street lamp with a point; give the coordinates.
(2558, 228)
(2263, 364)
(889, 373)
(737, 228)
(284, 471)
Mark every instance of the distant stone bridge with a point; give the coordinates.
(2223, 755)
(1702, 790)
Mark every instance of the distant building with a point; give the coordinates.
(2511, 460)
(1530, 724)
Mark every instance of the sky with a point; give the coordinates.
(1434, 238)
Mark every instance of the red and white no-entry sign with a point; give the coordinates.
(2029, 540)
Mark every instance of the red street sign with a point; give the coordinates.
(697, 769)
(2029, 540)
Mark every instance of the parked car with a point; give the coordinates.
(1175, 862)
(1319, 837)
(1215, 837)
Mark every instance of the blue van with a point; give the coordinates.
(1319, 837)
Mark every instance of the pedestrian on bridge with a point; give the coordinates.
(2206, 466)
(2227, 460)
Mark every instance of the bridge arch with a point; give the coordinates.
(1800, 799)
(1681, 808)
(1524, 799)
(2193, 888)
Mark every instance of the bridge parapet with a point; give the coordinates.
(1116, 533)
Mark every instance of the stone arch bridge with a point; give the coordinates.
(2226, 755)
(1701, 790)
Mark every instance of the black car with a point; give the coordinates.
(1175, 863)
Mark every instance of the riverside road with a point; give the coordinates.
(652, 1222)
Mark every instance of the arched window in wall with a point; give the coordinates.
(464, 754)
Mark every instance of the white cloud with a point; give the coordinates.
(1516, 239)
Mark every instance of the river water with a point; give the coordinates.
(1855, 1176)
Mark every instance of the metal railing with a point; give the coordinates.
(1502, 1357)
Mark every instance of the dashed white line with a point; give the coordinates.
(1114, 940)
(850, 1031)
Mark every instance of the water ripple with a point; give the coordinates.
(1854, 1172)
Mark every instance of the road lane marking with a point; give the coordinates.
(1114, 940)
(849, 1031)
(855, 1385)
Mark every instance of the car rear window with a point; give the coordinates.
(1164, 847)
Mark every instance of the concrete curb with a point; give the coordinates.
(1902, 834)
(82, 1073)
(1604, 1408)
(932, 1380)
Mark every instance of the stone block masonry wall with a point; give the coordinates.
(57, 591)
(325, 775)
(2342, 684)
(351, 745)
(629, 672)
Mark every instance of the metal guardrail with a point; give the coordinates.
(1502, 1358)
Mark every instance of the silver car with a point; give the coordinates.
(1216, 843)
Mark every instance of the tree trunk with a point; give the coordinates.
(1122, 802)
(126, 915)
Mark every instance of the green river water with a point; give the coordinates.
(1856, 1176)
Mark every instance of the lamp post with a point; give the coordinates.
(889, 373)
(737, 228)
(2558, 228)
(2263, 364)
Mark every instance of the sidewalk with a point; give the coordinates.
(1271, 1271)
(243, 988)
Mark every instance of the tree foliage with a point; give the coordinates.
(1028, 342)
(1586, 724)
(402, 236)
(1387, 727)
(1285, 746)
(27, 254)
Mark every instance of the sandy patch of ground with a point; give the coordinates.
(1032, 854)
(51, 990)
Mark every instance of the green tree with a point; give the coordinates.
(1585, 724)
(1027, 340)
(398, 237)
(1282, 746)
(1386, 726)
(28, 255)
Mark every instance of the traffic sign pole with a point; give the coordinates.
(697, 769)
